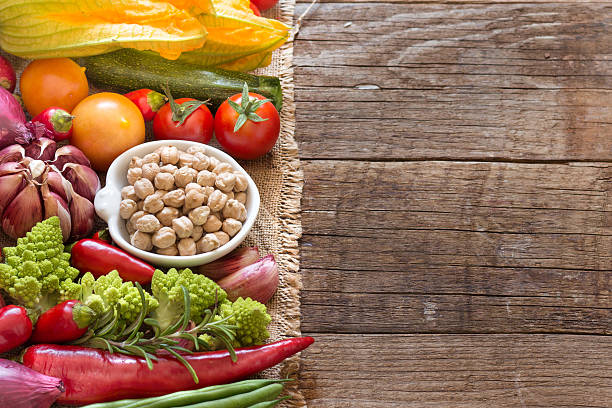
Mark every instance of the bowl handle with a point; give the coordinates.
(105, 201)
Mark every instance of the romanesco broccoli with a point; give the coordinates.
(37, 273)
(250, 318)
(110, 291)
(166, 287)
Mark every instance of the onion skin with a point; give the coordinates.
(41, 149)
(23, 387)
(10, 107)
(230, 263)
(12, 153)
(24, 211)
(258, 281)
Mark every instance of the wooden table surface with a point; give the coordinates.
(457, 249)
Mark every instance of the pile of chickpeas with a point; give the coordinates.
(182, 202)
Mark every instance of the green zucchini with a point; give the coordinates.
(127, 70)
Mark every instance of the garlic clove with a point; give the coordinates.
(41, 149)
(230, 263)
(58, 184)
(257, 281)
(10, 186)
(70, 154)
(12, 153)
(11, 168)
(81, 215)
(84, 180)
(23, 212)
(55, 205)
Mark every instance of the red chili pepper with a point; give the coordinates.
(15, 327)
(148, 101)
(57, 121)
(102, 235)
(99, 258)
(93, 375)
(65, 322)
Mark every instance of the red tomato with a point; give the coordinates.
(255, 137)
(264, 5)
(255, 10)
(197, 127)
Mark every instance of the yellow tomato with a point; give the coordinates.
(104, 126)
(58, 82)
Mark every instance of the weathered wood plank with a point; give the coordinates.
(456, 247)
(467, 81)
(475, 371)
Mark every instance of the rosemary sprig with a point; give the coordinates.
(109, 334)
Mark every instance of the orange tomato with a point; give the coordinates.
(59, 82)
(104, 126)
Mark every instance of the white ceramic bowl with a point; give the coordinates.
(108, 199)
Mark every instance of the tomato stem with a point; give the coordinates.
(180, 112)
(247, 108)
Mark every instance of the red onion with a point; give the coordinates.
(22, 387)
(257, 281)
(10, 107)
(8, 78)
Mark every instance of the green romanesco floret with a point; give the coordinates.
(37, 273)
(110, 291)
(251, 319)
(166, 287)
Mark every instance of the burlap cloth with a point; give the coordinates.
(278, 227)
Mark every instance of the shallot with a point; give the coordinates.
(257, 281)
(22, 387)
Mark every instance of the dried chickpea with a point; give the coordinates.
(175, 198)
(128, 192)
(193, 199)
(164, 237)
(208, 242)
(213, 162)
(136, 216)
(151, 158)
(159, 193)
(141, 240)
(134, 174)
(230, 195)
(200, 161)
(234, 209)
(225, 182)
(184, 176)
(140, 205)
(127, 208)
(130, 227)
(135, 162)
(166, 215)
(206, 178)
(150, 170)
(186, 247)
(168, 168)
(170, 251)
(193, 186)
(198, 216)
(185, 159)
(164, 181)
(197, 232)
(217, 200)
(158, 150)
(147, 223)
(153, 203)
(231, 226)
(195, 149)
(241, 182)
(169, 155)
(241, 197)
(208, 190)
(212, 224)
(222, 237)
(143, 188)
(182, 226)
(223, 168)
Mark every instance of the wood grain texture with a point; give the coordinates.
(474, 371)
(442, 247)
(467, 81)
